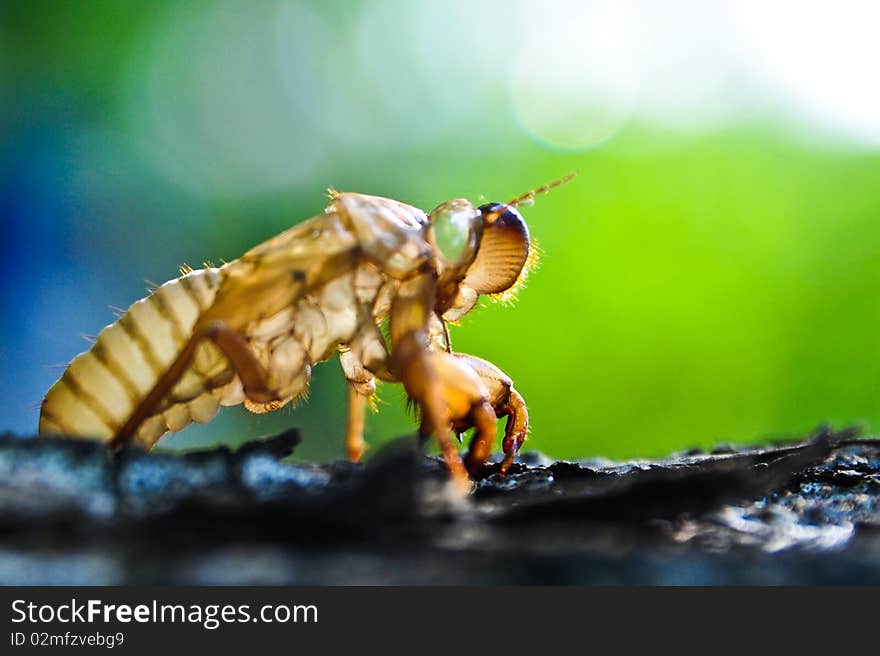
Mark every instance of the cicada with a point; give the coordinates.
(374, 279)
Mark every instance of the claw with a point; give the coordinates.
(508, 461)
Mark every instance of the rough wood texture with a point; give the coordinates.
(807, 513)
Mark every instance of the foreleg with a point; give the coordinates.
(505, 402)
(421, 370)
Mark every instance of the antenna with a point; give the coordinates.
(528, 197)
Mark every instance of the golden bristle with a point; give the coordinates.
(508, 296)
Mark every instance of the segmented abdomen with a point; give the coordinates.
(101, 387)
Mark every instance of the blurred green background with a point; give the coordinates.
(711, 276)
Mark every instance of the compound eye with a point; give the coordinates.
(454, 226)
(503, 250)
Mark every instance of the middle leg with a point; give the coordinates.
(361, 386)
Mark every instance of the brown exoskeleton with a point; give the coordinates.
(251, 330)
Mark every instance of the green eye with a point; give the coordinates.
(452, 229)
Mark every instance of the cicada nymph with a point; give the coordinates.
(251, 330)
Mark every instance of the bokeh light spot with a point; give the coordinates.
(574, 82)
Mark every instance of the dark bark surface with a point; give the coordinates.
(807, 513)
